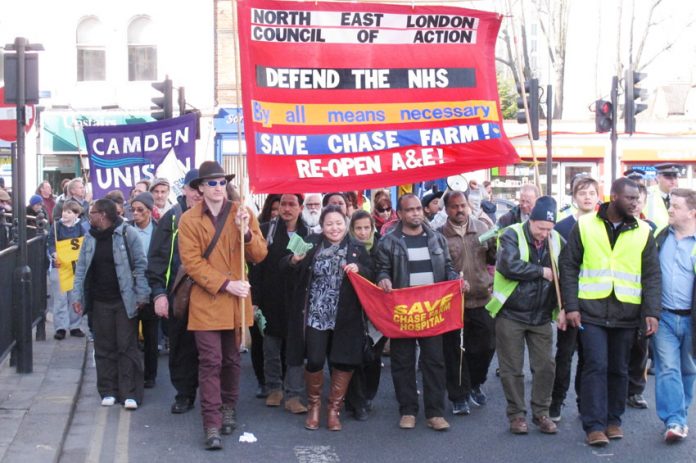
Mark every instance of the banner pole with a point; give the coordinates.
(461, 334)
(554, 270)
(242, 183)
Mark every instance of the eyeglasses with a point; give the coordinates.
(139, 209)
(215, 183)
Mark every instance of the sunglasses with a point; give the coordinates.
(139, 209)
(214, 183)
(383, 209)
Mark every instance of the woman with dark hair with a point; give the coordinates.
(382, 211)
(270, 208)
(110, 285)
(365, 382)
(335, 199)
(331, 313)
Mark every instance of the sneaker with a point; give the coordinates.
(597, 439)
(555, 412)
(77, 333)
(545, 425)
(637, 401)
(229, 419)
(407, 422)
(461, 408)
(675, 433)
(108, 401)
(130, 404)
(478, 398)
(438, 423)
(60, 335)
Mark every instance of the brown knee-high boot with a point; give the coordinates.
(339, 386)
(314, 383)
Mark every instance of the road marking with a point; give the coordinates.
(316, 454)
(124, 420)
(95, 447)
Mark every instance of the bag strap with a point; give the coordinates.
(125, 242)
(219, 224)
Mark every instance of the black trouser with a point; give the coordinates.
(119, 369)
(637, 364)
(479, 346)
(183, 358)
(318, 346)
(566, 343)
(257, 353)
(150, 326)
(365, 380)
(432, 363)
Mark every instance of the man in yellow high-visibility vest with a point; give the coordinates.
(610, 281)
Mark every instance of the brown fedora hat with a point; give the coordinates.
(208, 170)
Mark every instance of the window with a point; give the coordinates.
(142, 51)
(91, 53)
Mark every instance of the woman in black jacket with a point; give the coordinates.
(332, 315)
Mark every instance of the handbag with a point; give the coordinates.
(183, 283)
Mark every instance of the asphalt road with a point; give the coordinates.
(153, 434)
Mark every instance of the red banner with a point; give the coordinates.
(415, 312)
(346, 96)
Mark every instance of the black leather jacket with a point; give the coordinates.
(533, 300)
(391, 258)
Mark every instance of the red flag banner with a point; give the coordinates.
(347, 96)
(415, 312)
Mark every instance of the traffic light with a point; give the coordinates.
(531, 88)
(603, 116)
(164, 105)
(633, 97)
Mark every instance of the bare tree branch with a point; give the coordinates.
(646, 32)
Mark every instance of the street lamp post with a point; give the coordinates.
(22, 273)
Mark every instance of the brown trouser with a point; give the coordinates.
(118, 361)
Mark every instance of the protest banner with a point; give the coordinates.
(67, 253)
(122, 155)
(414, 312)
(345, 96)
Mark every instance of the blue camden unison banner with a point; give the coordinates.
(120, 156)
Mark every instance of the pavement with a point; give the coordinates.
(36, 408)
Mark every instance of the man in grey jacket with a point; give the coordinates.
(110, 284)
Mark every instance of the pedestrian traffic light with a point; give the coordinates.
(164, 105)
(531, 88)
(603, 116)
(633, 96)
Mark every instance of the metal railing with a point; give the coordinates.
(9, 316)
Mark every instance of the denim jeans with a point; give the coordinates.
(274, 374)
(675, 371)
(604, 383)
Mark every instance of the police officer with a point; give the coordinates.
(658, 195)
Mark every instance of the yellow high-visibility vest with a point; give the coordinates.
(655, 209)
(504, 287)
(604, 269)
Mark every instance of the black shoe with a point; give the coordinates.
(182, 405)
(149, 383)
(478, 397)
(77, 333)
(212, 439)
(360, 414)
(461, 407)
(60, 335)
(368, 405)
(229, 420)
(637, 401)
(261, 392)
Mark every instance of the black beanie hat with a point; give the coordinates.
(544, 209)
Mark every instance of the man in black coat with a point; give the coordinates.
(271, 290)
(162, 265)
(518, 214)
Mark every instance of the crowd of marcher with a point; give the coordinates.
(615, 279)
